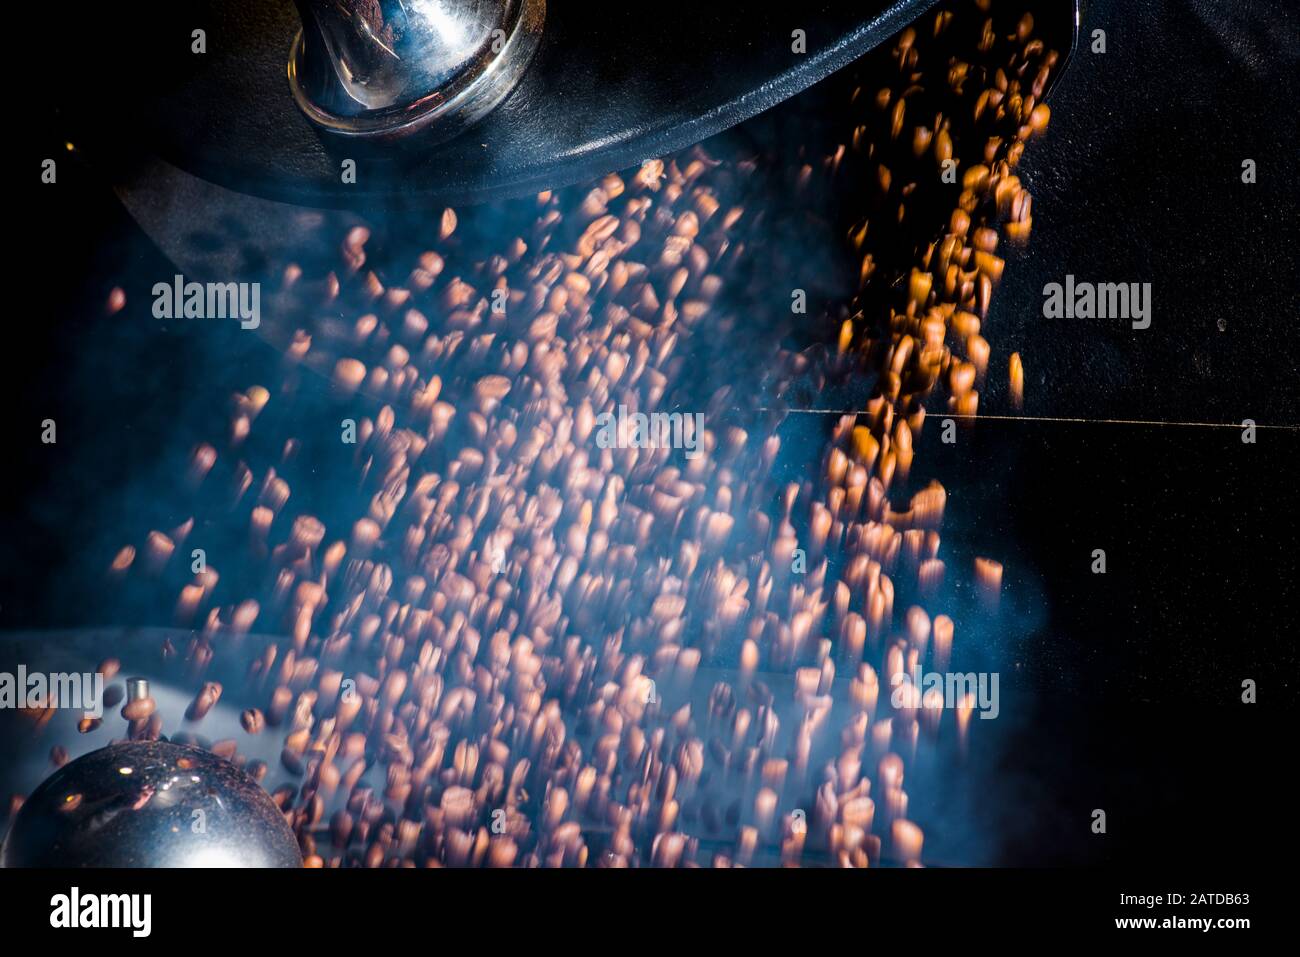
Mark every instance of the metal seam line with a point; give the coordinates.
(1044, 418)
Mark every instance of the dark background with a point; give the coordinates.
(1126, 690)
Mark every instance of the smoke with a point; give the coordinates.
(747, 343)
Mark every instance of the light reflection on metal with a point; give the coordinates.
(392, 67)
(127, 806)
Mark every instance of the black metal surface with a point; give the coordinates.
(611, 85)
(211, 231)
(1139, 179)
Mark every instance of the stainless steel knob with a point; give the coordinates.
(391, 67)
(137, 689)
